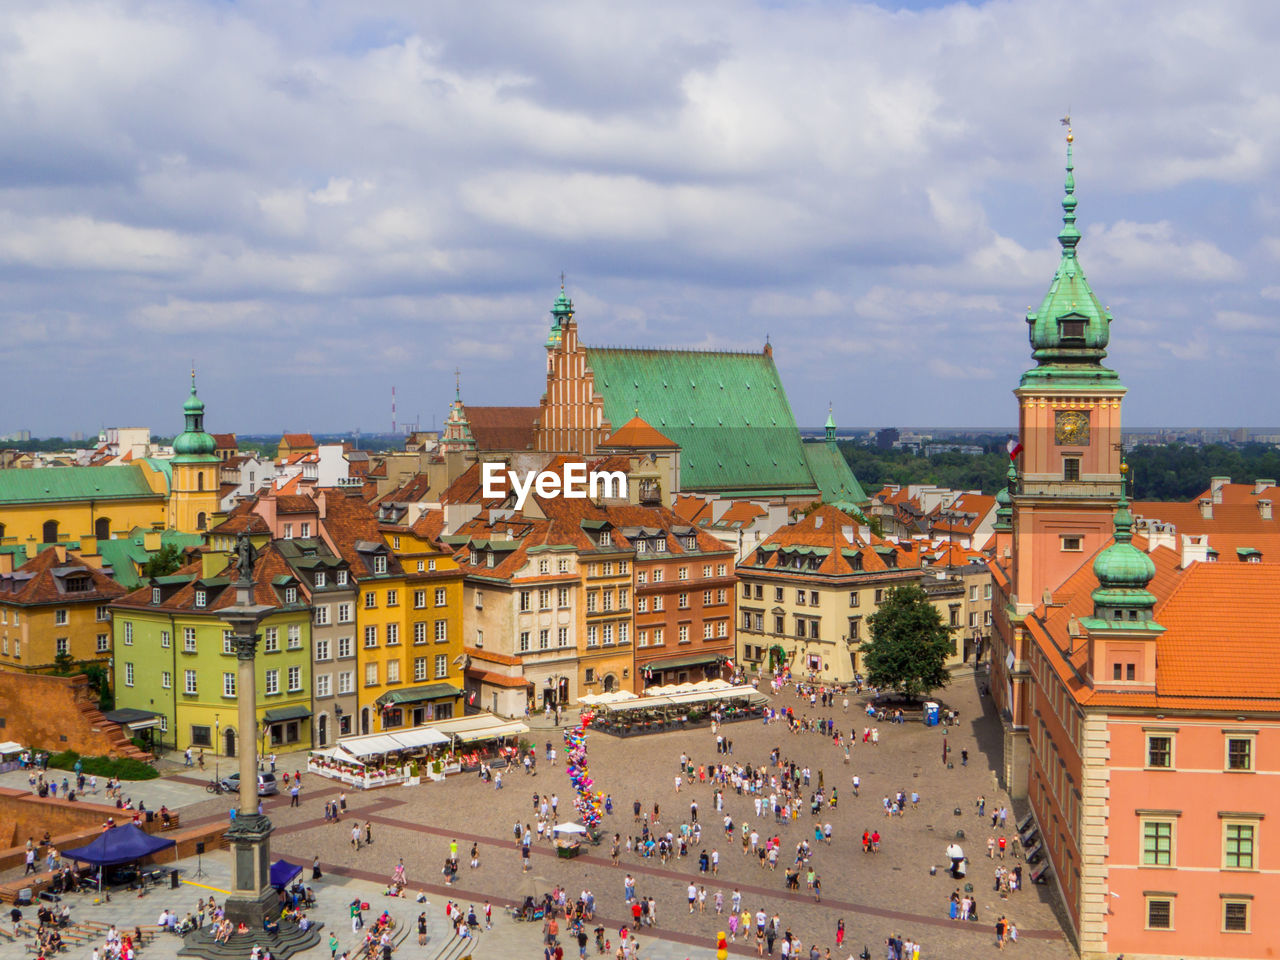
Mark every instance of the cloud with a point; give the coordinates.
(363, 192)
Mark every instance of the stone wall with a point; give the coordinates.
(56, 714)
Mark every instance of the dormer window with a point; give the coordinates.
(202, 598)
(380, 564)
(155, 594)
(606, 538)
(1072, 328)
(642, 546)
(691, 543)
(342, 578)
(290, 594)
(319, 578)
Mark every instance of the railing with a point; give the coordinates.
(1070, 488)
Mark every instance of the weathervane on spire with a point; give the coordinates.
(457, 382)
(562, 281)
(1066, 122)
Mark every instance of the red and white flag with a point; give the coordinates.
(1014, 448)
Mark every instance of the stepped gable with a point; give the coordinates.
(502, 428)
(46, 578)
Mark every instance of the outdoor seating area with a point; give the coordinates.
(674, 707)
(404, 757)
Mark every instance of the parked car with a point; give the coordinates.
(267, 786)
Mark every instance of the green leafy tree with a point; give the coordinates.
(100, 683)
(164, 562)
(909, 644)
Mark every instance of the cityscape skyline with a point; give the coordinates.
(384, 197)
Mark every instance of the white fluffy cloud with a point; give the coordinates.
(378, 193)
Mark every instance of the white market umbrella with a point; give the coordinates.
(570, 828)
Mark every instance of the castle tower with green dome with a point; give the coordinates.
(1068, 476)
(193, 493)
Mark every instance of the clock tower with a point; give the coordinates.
(1069, 476)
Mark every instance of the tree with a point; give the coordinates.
(164, 562)
(100, 683)
(909, 644)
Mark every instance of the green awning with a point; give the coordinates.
(430, 691)
(690, 661)
(280, 714)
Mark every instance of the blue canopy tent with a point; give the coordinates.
(123, 844)
(282, 871)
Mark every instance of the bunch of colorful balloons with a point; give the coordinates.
(585, 801)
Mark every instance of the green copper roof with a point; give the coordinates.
(53, 484)
(562, 313)
(727, 411)
(830, 471)
(193, 443)
(1070, 331)
(126, 554)
(1004, 500)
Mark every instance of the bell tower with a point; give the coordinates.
(1069, 423)
(193, 491)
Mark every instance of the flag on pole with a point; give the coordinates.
(1014, 447)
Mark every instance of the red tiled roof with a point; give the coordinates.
(225, 441)
(693, 509)
(296, 440)
(414, 490)
(637, 434)
(43, 579)
(502, 428)
(824, 529)
(286, 503)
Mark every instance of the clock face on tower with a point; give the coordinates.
(1071, 427)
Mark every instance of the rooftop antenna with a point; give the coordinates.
(393, 409)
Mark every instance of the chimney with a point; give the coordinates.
(1161, 535)
(1206, 505)
(60, 549)
(1194, 550)
(6, 563)
(1215, 487)
(1261, 485)
(1264, 509)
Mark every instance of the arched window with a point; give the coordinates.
(200, 480)
(229, 742)
(50, 532)
(201, 520)
(102, 528)
(1, 531)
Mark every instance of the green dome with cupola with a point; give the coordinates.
(193, 442)
(1004, 500)
(1123, 573)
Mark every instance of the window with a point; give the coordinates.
(440, 597)
(524, 641)
(657, 604)
(1157, 843)
(295, 679)
(344, 613)
(562, 597)
(606, 538)
(128, 631)
(290, 594)
(295, 636)
(104, 613)
(813, 598)
(228, 642)
(380, 564)
(707, 630)
(442, 666)
(320, 615)
(544, 639)
(370, 637)
(657, 636)
(657, 575)
(319, 578)
(201, 736)
(228, 684)
(1070, 468)
(393, 671)
(419, 668)
(442, 631)
(606, 634)
(189, 681)
(1072, 544)
(642, 604)
(1235, 916)
(544, 566)
(706, 598)
(370, 600)
(128, 674)
(288, 531)
(420, 632)
(706, 570)
(1238, 846)
(624, 633)
(562, 636)
(322, 649)
(393, 634)
(606, 600)
(344, 647)
(1239, 753)
(188, 639)
(272, 677)
(155, 596)
(591, 601)
(370, 674)
(779, 623)
(1159, 913)
(562, 566)
(393, 598)
(1159, 751)
(682, 601)
(624, 598)
(479, 600)
(525, 599)
(593, 635)
(166, 680)
(682, 573)
(104, 641)
(342, 578)
(684, 633)
(544, 598)
(346, 681)
(271, 640)
(324, 683)
(642, 638)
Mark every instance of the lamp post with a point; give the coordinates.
(252, 898)
(217, 743)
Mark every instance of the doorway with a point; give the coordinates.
(229, 742)
(322, 729)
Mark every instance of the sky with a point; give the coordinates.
(317, 200)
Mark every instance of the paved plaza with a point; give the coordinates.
(875, 894)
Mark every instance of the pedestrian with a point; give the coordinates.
(368, 833)
(333, 945)
(293, 796)
(186, 758)
(355, 835)
(840, 922)
(316, 874)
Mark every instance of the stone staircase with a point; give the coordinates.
(121, 745)
(284, 944)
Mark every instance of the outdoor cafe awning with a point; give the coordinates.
(281, 714)
(133, 718)
(493, 733)
(692, 660)
(479, 726)
(429, 691)
(378, 743)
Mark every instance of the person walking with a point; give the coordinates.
(368, 833)
(293, 796)
(840, 922)
(355, 836)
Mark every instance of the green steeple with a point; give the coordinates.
(830, 425)
(193, 442)
(1123, 572)
(562, 313)
(1004, 500)
(1070, 331)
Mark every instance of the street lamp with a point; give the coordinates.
(217, 742)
